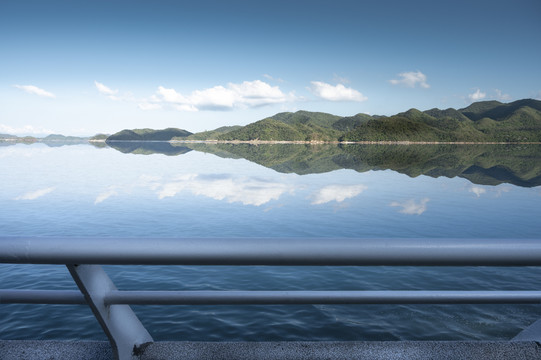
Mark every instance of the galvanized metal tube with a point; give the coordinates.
(41, 297)
(273, 297)
(319, 297)
(272, 251)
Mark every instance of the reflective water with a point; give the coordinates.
(202, 190)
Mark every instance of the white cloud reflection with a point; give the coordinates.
(477, 190)
(33, 195)
(105, 195)
(336, 193)
(411, 207)
(248, 191)
(222, 187)
(495, 192)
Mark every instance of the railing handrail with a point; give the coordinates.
(271, 251)
(275, 297)
(128, 337)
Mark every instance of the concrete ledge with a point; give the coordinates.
(54, 350)
(407, 350)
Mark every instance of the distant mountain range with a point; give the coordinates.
(486, 121)
(48, 139)
(149, 135)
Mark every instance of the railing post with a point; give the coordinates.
(128, 337)
(531, 333)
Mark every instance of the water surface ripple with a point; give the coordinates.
(364, 192)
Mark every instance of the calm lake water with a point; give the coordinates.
(201, 190)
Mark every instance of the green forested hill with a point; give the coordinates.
(473, 111)
(210, 135)
(323, 120)
(148, 135)
(298, 126)
(485, 121)
(349, 123)
(519, 121)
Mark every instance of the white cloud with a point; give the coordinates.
(411, 207)
(27, 129)
(246, 94)
(538, 96)
(104, 89)
(335, 93)
(268, 77)
(501, 96)
(170, 95)
(411, 79)
(114, 94)
(31, 89)
(149, 106)
(336, 193)
(477, 95)
(35, 194)
(340, 80)
(189, 108)
(258, 93)
(215, 98)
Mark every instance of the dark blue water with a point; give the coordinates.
(80, 190)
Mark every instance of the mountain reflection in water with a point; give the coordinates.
(519, 165)
(229, 191)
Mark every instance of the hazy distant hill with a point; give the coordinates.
(13, 139)
(62, 138)
(51, 140)
(148, 135)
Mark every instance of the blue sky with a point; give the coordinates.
(83, 67)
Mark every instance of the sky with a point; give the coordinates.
(86, 67)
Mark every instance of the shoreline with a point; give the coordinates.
(298, 142)
(257, 142)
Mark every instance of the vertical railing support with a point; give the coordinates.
(128, 337)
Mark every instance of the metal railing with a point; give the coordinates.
(128, 337)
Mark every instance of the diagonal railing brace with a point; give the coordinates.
(128, 337)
